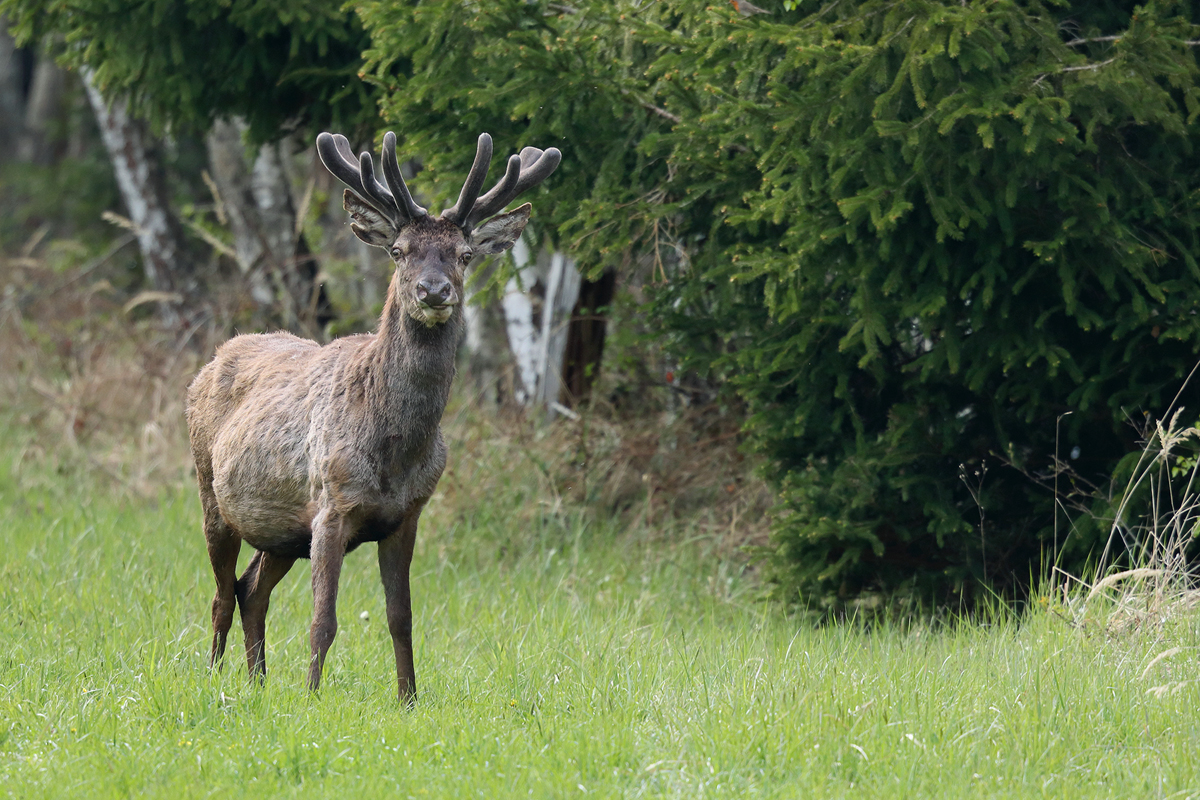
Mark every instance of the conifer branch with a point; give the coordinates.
(1078, 42)
(662, 112)
(1097, 65)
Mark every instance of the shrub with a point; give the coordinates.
(934, 247)
(964, 224)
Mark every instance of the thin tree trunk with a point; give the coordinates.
(140, 180)
(270, 251)
(537, 309)
(227, 160)
(561, 293)
(488, 367)
(45, 102)
(522, 308)
(11, 94)
(585, 338)
(296, 267)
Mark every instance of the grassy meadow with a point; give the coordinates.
(557, 655)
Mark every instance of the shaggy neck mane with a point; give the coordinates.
(410, 369)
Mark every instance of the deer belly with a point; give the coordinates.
(269, 508)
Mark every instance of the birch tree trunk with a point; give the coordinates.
(257, 201)
(552, 322)
(226, 159)
(489, 359)
(140, 180)
(537, 309)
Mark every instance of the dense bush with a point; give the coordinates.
(964, 224)
(927, 243)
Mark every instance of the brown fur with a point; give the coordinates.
(304, 451)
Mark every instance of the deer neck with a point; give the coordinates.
(413, 367)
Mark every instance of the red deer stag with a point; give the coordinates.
(306, 451)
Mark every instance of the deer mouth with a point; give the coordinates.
(432, 316)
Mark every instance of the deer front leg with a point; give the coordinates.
(328, 550)
(395, 558)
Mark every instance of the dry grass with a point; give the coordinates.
(1145, 590)
(1157, 519)
(89, 387)
(654, 477)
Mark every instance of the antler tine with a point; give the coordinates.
(524, 172)
(377, 192)
(460, 211)
(343, 148)
(499, 195)
(534, 173)
(357, 173)
(395, 179)
(530, 155)
(340, 163)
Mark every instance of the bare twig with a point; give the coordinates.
(1078, 42)
(1097, 65)
(662, 112)
(218, 203)
(99, 260)
(211, 240)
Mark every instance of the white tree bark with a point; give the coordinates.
(256, 196)
(486, 344)
(537, 309)
(519, 321)
(226, 159)
(561, 294)
(140, 182)
(244, 190)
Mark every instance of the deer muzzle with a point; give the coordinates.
(436, 292)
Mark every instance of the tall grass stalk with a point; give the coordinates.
(1145, 570)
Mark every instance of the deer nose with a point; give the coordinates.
(435, 292)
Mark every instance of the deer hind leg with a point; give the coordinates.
(223, 546)
(254, 598)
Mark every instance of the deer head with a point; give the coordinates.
(431, 255)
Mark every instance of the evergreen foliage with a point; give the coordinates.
(277, 64)
(927, 243)
(962, 222)
(529, 74)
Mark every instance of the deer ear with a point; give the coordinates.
(367, 223)
(498, 233)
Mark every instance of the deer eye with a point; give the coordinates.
(395, 253)
(465, 258)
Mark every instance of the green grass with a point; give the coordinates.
(555, 657)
